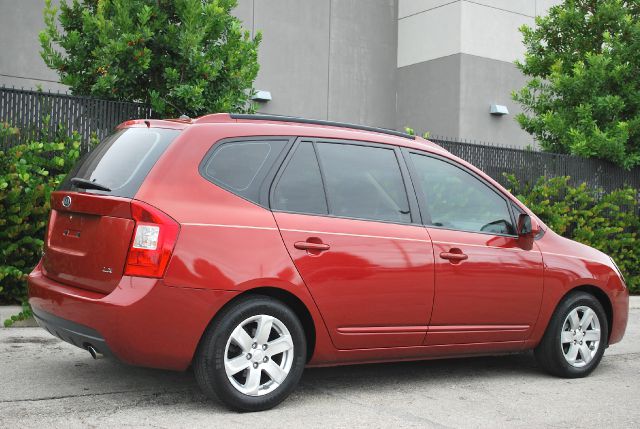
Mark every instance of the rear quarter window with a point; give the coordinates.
(241, 166)
(121, 161)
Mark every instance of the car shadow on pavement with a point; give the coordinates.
(428, 371)
(155, 387)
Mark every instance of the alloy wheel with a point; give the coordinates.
(580, 336)
(258, 355)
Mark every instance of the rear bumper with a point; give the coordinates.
(71, 332)
(141, 322)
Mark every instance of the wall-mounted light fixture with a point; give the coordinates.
(262, 96)
(499, 110)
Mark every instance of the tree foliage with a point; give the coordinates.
(181, 56)
(583, 96)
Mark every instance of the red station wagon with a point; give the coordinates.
(251, 246)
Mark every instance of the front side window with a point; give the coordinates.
(455, 199)
(363, 182)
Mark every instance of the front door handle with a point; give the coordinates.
(454, 255)
(307, 245)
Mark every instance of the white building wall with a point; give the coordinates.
(493, 33)
(429, 34)
(430, 29)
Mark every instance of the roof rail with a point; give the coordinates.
(282, 118)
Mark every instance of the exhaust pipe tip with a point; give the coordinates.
(92, 351)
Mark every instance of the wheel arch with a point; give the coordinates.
(287, 298)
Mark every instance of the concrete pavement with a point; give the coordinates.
(46, 382)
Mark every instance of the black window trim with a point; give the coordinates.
(322, 175)
(264, 179)
(414, 209)
(421, 196)
(280, 172)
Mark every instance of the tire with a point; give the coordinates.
(236, 334)
(569, 349)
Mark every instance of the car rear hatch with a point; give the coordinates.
(93, 215)
(87, 242)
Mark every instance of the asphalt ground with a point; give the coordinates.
(46, 383)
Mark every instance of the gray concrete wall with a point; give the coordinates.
(322, 59)
(294, 55)
(483, 82)
(362, 69)
(455, 59)
(434, 65)
(326, 59)
(451, 97)
(429, 96)
(20, 62)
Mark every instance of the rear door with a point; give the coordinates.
(353, 233)
(90, 230)
(488, 284)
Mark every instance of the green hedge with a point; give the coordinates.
(28, 174)
(608, 222)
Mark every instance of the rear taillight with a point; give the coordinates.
(153, 240)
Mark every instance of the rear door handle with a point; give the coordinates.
(306, 245)
(454, 256)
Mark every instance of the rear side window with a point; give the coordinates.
(299, 189)
(122, 161)
(241, 166)
(363, 182)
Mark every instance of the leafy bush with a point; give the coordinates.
(28, 174)
(180, 56)
(24, 314)
(608, 222)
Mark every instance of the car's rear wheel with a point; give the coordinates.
(576, 337)
(252, 356)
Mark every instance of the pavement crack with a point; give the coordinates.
(53, 398)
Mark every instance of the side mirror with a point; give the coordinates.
(527, 227)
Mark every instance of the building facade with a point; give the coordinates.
(432, 65)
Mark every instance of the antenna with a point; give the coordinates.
(183, 115)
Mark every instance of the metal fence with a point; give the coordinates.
(40, 114)
(529, 165)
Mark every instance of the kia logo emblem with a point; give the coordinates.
(66, 201)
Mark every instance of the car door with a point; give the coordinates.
(359, 246)
(488, 285)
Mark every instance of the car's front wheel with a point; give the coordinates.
(576, 337)
(252, 356)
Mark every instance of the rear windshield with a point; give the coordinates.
(121, 161)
